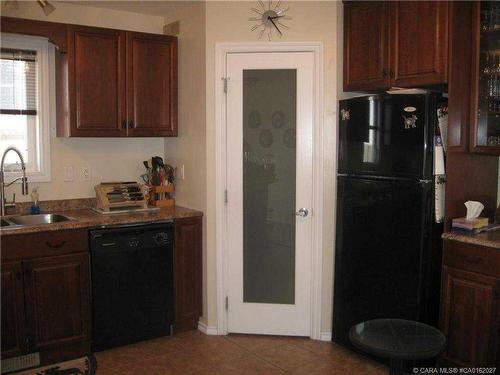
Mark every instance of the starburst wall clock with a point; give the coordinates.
(268, 19)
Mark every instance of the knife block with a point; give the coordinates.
(110, 195)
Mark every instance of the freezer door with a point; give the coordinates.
(385, 135)
(360, 132)
(378, 251)
(407, 141)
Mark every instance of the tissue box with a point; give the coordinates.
(463, 223)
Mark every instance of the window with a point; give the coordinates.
(24, 105)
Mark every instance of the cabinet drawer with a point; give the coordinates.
(44, 244)
(471, 257)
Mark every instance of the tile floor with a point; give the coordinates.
(193, 353)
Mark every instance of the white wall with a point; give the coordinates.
(312, 21)
(189, 148)
(202, 26)
(108, 159)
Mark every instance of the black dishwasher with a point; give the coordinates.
(132, 283)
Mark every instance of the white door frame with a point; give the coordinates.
(222, 49)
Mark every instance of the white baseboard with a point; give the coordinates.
(325, 336)
(207, 330)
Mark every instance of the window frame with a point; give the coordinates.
(44, 100)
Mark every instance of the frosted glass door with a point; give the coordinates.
(269, 106)
(269, 167)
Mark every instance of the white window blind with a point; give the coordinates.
(25, 100)
(18, 82)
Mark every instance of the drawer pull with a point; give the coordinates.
(55, 245)
(472, 259)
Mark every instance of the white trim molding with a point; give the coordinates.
(325, 336)
(39, 149)
(222, 50)
(207, 330)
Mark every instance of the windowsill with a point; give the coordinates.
(32, 177)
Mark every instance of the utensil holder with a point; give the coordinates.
(160, 196)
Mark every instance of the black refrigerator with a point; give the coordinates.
(388, 247)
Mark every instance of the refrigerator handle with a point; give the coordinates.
(425, 182)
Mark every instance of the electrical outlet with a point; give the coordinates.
(181, 172)
(85, 173)
(69, 174)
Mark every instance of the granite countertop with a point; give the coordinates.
(87, 218)
(489, 239)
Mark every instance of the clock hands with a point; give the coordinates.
(267, 16)
(272, 21)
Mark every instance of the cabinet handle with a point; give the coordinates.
(55, 245)
(384, 73)
(124, 124)
(391, 73)
(132, 124)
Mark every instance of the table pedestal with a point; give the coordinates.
(401, 341)
(396, 367)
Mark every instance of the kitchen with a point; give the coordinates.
(204, 26)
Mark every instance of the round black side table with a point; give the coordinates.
(398, 340)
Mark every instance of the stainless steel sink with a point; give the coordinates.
(30, 220)
(4, 223)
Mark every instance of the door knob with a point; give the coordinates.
(302, 212)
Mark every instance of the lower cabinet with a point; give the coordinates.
(188, 273)
(470, 307)
(45, 296)
(13, 318)
(45, 290)
(57, 304)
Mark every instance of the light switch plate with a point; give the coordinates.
(182, 176)
(69, 174)
(85, 173)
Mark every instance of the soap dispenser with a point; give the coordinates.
(35, 208)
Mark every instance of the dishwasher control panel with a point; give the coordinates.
(132, 237)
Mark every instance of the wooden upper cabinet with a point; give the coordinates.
(419, 43)
(485, 85)
(115, 83)
(474, 105)
(366, 56)
(96, 79)
(57, 293)
(151, 85)
(13, 318)
(395, 44)
(459, 88)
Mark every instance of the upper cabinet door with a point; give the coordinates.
(366, 53)
(151, 85)
(419, 43)
(96, 82)
(460, 98)
(485, 78)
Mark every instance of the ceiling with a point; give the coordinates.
(155, 8)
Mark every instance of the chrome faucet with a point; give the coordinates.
(3, 185)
